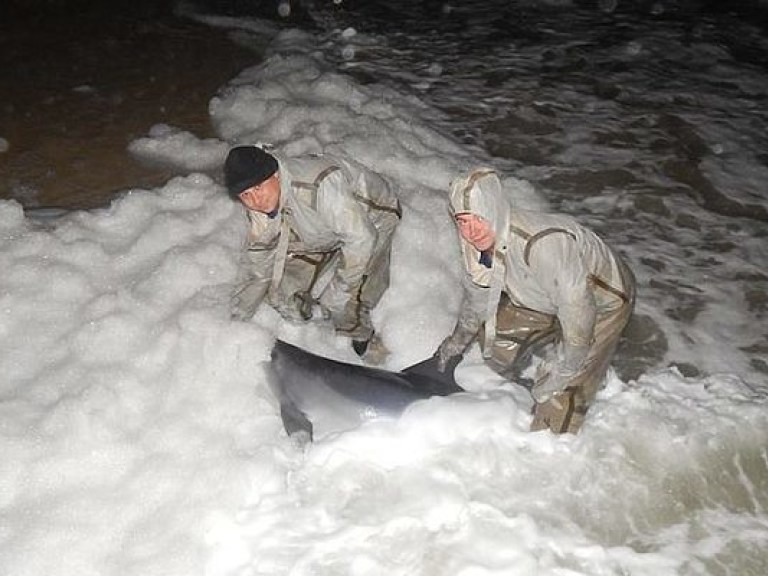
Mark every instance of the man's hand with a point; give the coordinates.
(239, 311)
(296, 307)
(346, 319)
(304, 303)
(551, 379)
(449, 348)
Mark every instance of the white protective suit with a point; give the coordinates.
(549, 279)
(328, 243)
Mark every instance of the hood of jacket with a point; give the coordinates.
(479, 192)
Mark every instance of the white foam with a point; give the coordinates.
(139, 436)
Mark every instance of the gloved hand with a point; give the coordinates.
(295, 307)
(346, 319)
(304, 302)
(245, 299)
(240, 310)
(449, 348)
(551, 379)
(341, 308)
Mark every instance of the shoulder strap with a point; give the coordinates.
(519, 232)
(396, 209)
(492, 305)
(281, 253)
(314, 185)
(531, 238)
(538, 236)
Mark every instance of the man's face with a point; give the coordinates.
(475, 230)
(264, 197)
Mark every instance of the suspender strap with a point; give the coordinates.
(285, 230)
(327, 172)
(280, 254)
(396, 210)
(531, 238)
(313, 186)
(494, 295)
(597, 281)
(319, 263)
(539, 236)
(318, 179)
(519, 231)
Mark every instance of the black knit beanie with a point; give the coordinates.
(247, 166)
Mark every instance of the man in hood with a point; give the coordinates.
(536, 279)
(319, 236)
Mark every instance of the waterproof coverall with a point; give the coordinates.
(328, 243)
(549, 280)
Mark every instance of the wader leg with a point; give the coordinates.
(375, 283)
(519, 333)
(565, 412)
(559, 413)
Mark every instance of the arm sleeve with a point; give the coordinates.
(556, 262)
(469, 321)
(347, 218)
(257, 262)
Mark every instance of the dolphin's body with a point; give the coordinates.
(314, 391)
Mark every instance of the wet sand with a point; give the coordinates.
(76, 90)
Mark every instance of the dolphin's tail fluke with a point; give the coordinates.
(294, 420)
(427, 377)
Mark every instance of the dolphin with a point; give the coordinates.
(317, 391)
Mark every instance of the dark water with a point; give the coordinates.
(81, 80)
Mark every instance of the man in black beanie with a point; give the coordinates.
(319, 236)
